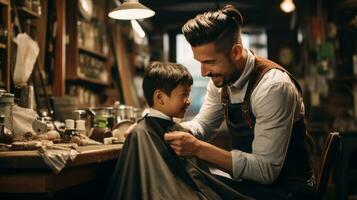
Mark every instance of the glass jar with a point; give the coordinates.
(6, 104)
(103, 117)
(122, 112)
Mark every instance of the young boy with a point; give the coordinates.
(147, 167)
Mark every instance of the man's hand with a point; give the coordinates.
(128, 130)
(184, 144)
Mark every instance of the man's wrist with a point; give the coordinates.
(201, 149)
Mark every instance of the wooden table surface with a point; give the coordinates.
(32, 159)
(26, 172)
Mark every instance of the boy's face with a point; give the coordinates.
(178, 102)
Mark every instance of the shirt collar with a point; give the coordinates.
(155, 113)
(249, 66)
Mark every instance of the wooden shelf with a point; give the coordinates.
(84, 106)
(93, 53)
(3, 2)
(2, 46)
(27, 13)
(87, 66)
(92, 80)
(82, 78)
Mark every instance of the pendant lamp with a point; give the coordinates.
(131, 9)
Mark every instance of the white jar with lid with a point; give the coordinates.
(81, 126)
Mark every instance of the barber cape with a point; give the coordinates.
(148, 168)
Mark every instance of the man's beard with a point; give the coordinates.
(225, 80)
(230, 78)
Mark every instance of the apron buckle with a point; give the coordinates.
(245, 108)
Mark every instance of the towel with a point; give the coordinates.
(57, 155)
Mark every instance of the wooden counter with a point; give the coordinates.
(26, 172)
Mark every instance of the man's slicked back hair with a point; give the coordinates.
(223, 27)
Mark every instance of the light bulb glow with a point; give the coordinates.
(287, 6)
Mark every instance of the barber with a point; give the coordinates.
(262, 105)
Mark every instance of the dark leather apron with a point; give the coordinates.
(240, 122)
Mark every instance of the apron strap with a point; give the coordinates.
(225, 101)
(261, 67)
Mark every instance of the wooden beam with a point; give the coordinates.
(41, 25)
(60, 51)
(9, 49)
(125, 68)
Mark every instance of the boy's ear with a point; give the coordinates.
(158, 97)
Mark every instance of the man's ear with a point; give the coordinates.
(158, 97)
(237, 51)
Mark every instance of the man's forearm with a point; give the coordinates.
(220, 158)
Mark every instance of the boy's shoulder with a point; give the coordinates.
(141, 128)
(150, 125)
(140, 125)
(147, 129)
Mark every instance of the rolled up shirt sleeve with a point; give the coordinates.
(274, 108)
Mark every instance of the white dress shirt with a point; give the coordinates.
(275, 103)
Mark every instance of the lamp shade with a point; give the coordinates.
(131, 10)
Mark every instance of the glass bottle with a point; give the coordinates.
(6, 135)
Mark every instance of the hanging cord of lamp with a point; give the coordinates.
(287, 6)
(131, 9)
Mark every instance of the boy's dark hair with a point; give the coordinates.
(164, 76)
(223, 27)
